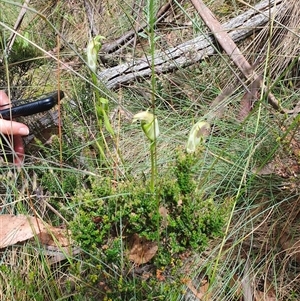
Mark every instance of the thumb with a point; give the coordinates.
(8, 127)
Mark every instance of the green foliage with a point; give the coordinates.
(22, 49)
(183, 170)
(191, 219)
(109, 215)
(65, 181)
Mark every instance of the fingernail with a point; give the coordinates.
(24, 131)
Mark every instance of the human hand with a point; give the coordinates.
(14, 129)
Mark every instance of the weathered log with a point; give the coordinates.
(115, 46)
(193, 50)
(42, 127)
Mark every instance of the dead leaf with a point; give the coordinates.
(202, 292)
(268, 169)
(261, 296)
(18, 228)
(55, 236)
(164, 213)
(264, 296)
(159, 275)
(291, 245)
(57, 254)
(269, 293)
(142, 250)
(249, 98)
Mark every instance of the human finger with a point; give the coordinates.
(18, 149)
(4, 100)
(8, 127)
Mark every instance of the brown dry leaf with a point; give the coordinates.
(164, 213)
(142, 250)
(18, 228)
(261, 296)
(268, 169)
(291, 245)
(159, 275)
(55, 236)
(58, 244)
(57, 254)
(201, 294)
(248, 99)
(269, 293)
(245, 106)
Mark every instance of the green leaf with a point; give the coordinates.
(107, 123)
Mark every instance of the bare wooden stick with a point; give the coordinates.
(229, 46)
(93, 8)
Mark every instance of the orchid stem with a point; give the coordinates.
(153, 165)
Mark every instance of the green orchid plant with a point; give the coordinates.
(101, 103)
(150, 127)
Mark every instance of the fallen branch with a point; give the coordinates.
(116, 46)
(191, 51)
(229, 46)
(42, 126)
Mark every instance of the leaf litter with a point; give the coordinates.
(16, 229)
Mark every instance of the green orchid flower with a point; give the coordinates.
(92, 51)
(149, 124)
(197, 135)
